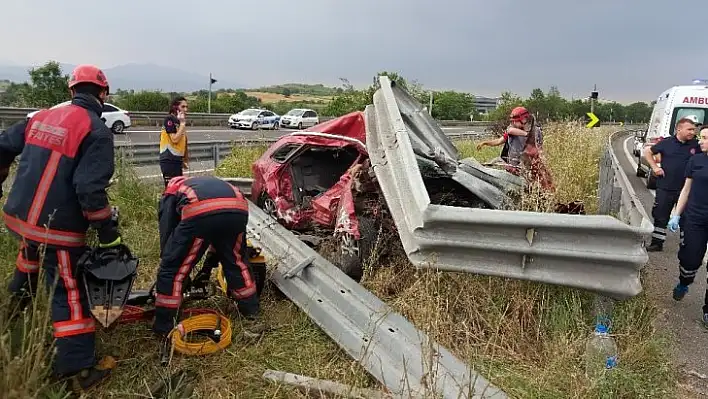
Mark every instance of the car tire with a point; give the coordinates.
(255, 126)
(276, 125)
(118, 127)
(651, 181)
(640, 171)
(299, 126)
(353, 265)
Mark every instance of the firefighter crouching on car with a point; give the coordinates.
(60, 190)
(194, 213)
(674, 152)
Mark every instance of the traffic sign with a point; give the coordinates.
(593, 120)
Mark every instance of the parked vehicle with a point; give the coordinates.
(116, 119)
(254, 118)
(299, 118)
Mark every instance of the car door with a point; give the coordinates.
(309, 119)
(110, 114)
(269, 118)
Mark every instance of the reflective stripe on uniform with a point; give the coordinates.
(70, 284)
(249, 287)
(100, 214)
(186, 266)
(168, 301)
(201, 207)
(74, 327)
(44, 235)
(40, 195)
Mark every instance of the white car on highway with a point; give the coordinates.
(254, 118)
(299, 118)
(116, 119)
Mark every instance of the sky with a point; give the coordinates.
(631, 49)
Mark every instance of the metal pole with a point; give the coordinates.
(430, 108)
(592, 101)
(209, 100)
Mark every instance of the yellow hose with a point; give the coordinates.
(206, 321)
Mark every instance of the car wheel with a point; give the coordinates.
(354, 254)
(651, 181)
(299, 126)
(118, 127)
(255, 126)
(268, 205)
(276, 125)
(640, 171)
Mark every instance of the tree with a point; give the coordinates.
(49, 85)
(452, 105)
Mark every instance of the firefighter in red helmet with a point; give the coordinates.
(66, 164)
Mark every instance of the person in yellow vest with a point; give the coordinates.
(173, 141)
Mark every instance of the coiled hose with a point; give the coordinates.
(205, 319)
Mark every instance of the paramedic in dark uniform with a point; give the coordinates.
(194, 213)
(674, 152)
(692, 217)
(173, 141)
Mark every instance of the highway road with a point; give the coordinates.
(682, 319)
(142, 134)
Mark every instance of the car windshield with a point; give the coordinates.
(250, 112)
(295, 112)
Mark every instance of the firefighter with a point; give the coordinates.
(514, 138)
(674, 152)
(691, 216)
(60, 190)
(194, 213)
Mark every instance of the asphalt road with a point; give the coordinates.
(142, 134)
(682, 319)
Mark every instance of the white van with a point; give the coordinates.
(673, 104)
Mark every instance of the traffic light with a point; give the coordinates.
(594, 95)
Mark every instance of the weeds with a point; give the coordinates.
(524, 337)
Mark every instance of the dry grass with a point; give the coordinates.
(526, 338)
(276, 97)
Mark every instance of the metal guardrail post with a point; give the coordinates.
(215, 154)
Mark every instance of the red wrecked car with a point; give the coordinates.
(319, 181)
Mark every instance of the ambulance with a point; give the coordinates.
(687, 101)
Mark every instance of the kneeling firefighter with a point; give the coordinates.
(196, 213)
(65, 167)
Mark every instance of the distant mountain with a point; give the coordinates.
(137, 77)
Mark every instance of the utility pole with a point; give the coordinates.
(593, 97)
(211, 81)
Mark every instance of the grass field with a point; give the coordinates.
(527, 338)
(275, 97)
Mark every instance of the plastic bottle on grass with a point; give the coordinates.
(600, 352)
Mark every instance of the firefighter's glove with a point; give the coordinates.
(674, 223)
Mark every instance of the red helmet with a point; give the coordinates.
(88, 74)
(519, 113)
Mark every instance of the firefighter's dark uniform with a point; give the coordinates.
(694, 227)
(194, 213)
(59, 191)
(674, 157)
(171, 155)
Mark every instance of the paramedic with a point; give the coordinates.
(173, 141)
(691, 216)
(674, 152)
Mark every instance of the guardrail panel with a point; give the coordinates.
(387, 345)
(597, 253)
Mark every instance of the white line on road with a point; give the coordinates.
(631, 160)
